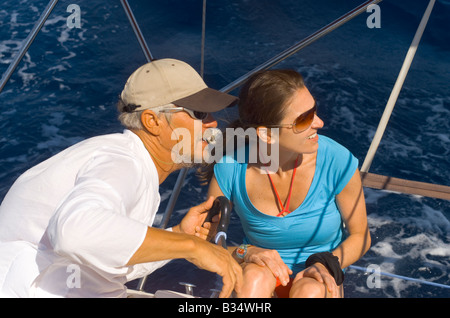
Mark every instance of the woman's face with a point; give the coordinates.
(305, 141)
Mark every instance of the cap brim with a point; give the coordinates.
(207, 100)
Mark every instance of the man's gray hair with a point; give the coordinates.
(129, 119)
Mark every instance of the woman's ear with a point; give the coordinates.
(265, 135)
(151, 122)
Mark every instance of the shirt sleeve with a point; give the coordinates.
(342, 167)
(93, 223)
(224, 172)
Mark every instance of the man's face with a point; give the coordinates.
(188, 137)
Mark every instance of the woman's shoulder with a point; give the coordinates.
(332, 152)
(236, 157)
(330, 145)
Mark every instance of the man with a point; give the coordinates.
(79, 224)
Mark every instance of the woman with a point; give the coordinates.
(293, 217)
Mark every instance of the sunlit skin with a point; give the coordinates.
(262, 266)
(157, 138)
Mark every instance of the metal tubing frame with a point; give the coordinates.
(202, 49)
(29, 39)
(302, 44)
(173, 198)
(397, 88)
(137, 31)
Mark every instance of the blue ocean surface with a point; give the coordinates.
(66, 87)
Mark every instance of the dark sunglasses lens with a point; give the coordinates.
(305, 120)
(200, 115)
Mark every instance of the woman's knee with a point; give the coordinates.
(258, 281)
(308, 288)
(259, 274)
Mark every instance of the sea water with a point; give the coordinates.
(66, 87)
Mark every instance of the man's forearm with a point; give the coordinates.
(161, 245)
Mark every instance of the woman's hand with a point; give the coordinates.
(271, 259)
(320, 273)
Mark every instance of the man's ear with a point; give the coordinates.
(151, 122)
(265, 134)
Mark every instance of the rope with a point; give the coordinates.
(367, 270)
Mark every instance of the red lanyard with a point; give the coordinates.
(284, 208)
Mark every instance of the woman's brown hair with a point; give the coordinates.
(264, 95)
(262, 101)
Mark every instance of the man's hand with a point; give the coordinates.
(215, 258)
(192, 223)
(161, 245)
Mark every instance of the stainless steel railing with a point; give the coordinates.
(302, 44)
(27, 42)
(137, 31)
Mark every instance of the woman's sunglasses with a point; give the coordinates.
(174, 109)
(301, 123)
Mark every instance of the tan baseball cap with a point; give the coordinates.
(166, 81)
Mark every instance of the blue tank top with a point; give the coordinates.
(315, 226)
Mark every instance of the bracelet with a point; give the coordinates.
(241, 251)
(330, 261)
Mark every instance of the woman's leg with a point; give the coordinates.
(258, 282)
(307, 287)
